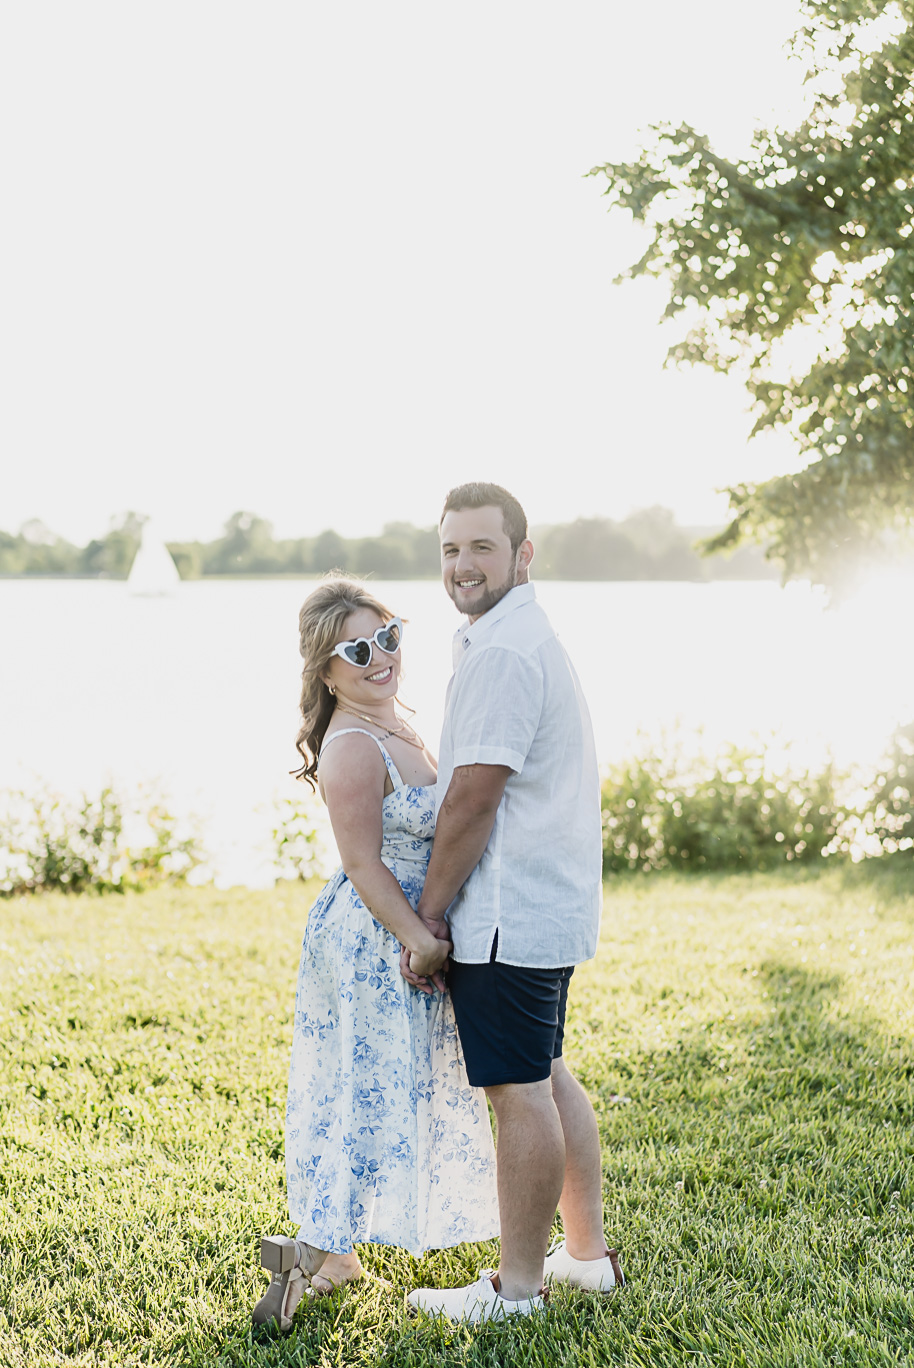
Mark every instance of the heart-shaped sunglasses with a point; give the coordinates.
(358, 652)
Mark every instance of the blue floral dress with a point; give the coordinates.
(385, 1138)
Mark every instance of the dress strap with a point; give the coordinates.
(348, 731)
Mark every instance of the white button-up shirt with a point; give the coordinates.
(514, 699)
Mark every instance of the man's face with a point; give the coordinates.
(477, 564)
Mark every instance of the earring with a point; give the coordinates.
(331, 689)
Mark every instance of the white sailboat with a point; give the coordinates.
(153, 571)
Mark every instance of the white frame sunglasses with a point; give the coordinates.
(342, 647)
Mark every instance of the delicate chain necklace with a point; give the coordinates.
(388, 731)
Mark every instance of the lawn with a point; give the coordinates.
(747, 1042)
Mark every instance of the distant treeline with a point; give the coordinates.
(647, 545)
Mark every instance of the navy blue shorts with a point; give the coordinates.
(511, 1020)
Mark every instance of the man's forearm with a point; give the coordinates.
(461, 836)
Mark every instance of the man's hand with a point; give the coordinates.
(419, 967)
(437, 925)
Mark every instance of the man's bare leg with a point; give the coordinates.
(531, 1170)
(581, 1202)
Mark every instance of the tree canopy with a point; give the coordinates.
(648, 544)
(805, 245)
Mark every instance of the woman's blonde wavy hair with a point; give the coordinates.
(321, 624)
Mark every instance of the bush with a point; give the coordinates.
(886, 825)
(738, 809)
(751, 808)
(104, 844)
(298, 844)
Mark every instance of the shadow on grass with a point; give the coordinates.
(760, 1179)
(373, 1327)
(759, 1183)
(350, 1329)
(770, 1151)
(795, 1059)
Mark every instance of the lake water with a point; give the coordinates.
(198, 693)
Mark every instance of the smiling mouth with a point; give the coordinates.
(469, 584)
(380, 676)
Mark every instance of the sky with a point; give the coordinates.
(322, 262)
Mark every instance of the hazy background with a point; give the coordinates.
(321, 262)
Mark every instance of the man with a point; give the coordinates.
(516, 866)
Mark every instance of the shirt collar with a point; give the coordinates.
(472, 631)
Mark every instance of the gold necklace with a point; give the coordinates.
(388, 731)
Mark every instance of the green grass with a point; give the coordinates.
(758, 1181)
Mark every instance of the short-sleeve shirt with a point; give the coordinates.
(514, 699)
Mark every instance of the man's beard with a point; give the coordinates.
(489, 598)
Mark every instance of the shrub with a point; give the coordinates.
(886, 809)
(102, 843)
(738, 809)
(298, 844)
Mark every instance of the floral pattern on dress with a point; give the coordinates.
(385, 1139)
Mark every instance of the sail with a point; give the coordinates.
(153, 570)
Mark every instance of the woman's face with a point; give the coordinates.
(359, 686)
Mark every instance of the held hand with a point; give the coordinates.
(420, 966)
(422, 984)
(441, 931)
(426, 963)
(437, 925)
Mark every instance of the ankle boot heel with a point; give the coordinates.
(277, 1254)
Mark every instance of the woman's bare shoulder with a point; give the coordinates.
(353, 758)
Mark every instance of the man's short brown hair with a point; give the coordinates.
(478, 494)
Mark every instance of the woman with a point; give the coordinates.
(385, 1139)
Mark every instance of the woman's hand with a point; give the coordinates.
(427, 963)
(425, 957)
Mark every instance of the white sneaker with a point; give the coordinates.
(480, 1301)
(594, 1275)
